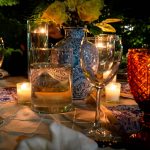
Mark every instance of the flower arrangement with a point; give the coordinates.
(78, 13)
(73, 11)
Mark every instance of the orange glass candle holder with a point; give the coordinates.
(138, 66)
(139, 79)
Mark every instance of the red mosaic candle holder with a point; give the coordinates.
(138, 67)
(139, 79)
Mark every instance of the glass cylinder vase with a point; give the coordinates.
(37, 37)
(50, 72)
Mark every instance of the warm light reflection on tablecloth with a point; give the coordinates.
(22, 121)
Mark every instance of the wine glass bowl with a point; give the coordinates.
(104, 55)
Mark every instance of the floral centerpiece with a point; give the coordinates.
(77, 13)
(77, 16)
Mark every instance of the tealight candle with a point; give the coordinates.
(24, 92)
(112, 92)
(106, 73)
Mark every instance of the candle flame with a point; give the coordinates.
(24, 86)
(100, 45)
(113, 87)
(42, 30)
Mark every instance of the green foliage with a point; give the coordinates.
(11, 31)
(94, 29)
(123, 64)
(11, 27)
(135, 26)
(8, 51)
(8, 2)
(136, 33)
(37, 9)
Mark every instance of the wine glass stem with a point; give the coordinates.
(97, 113)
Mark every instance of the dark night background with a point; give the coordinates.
(13, 27)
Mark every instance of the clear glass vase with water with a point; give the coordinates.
(50, 72)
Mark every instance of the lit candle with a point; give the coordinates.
(112, 92)
(100, 45)
(40, 30)
(106, 74)
(24, 92)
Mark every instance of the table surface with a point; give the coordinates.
(21, 122)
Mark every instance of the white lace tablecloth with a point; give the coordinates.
(21, 122)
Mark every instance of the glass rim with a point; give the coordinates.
(139, 49)
(106, 37)
(106, 34)
(36, 21)
(51, 49)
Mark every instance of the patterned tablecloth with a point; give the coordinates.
(21, 122)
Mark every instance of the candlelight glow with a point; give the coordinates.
(42, 30)
(112, 92)
(113, 87)
(24, 86)
(24, 92)
(100, 45)
(107, 73)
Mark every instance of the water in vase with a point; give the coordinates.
(51, 81)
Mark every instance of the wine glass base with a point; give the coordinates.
(103, 136)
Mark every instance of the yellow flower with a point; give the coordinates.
(56, 12)
(90, 10)
(72, 4)
(60, 12)
(78, 13)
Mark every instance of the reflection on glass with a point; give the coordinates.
(104, 55)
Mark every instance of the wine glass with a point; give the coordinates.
(1, 61)
(104, 55)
